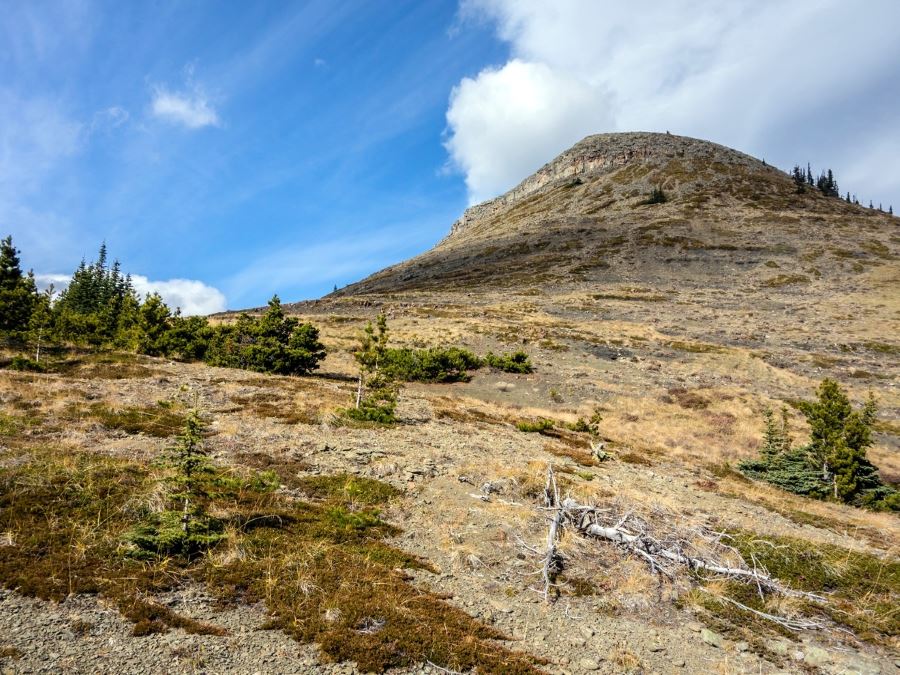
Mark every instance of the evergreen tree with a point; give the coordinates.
(188, 338)
(833, 464)
(376, 394)
(154, 324)
(799, 179)
(809, 175)
(839, 437)
(18, 291)
(191, 462)
(827, 184)
(773, 442)
(370, 353)
(100, 306)
(891, 209)
(271, 344)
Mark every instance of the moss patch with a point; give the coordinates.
(323, 568)
(159, 420)
(695, 347)
(785, 280)
(861, 588)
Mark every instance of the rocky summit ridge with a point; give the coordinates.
(606, 153)
(587, 218)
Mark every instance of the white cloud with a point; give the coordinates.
(812, 79)
(189, 108)
(192, 297)
(509, 121)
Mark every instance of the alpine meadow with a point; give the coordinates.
(634, 411)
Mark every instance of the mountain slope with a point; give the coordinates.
(730, 220)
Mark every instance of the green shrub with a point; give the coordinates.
(516, 362)
(272, 343)
(436, 364)
(25, 364)
(537, 426)
(656, 197)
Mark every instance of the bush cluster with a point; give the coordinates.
(516, 362)
(437, 364)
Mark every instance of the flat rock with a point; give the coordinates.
(711, 638)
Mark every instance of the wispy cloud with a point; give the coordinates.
(110, 118)
(308, 270)
(190, 108)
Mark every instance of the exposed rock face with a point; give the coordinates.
(602, 153)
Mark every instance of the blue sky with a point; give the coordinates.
(229, 150)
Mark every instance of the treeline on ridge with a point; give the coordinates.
(101, 309)
(827, 184)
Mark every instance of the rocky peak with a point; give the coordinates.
(604, 153)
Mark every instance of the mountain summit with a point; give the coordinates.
(645, 208)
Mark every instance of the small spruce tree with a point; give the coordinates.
(839, 438)
(40, 325)
(18, 291)
(376, 393)
(799, 179)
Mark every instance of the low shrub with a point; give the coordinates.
(515, 362)
(436, 364)
(657, 196)
(536, 426)
(23, 363)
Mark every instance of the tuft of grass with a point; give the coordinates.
(695, 347)
(347, 488)
(690, 400)
(286, 469)
(577, 455)
(879, 426)
(725, 470)
(10, 653)
(785, 280)
(576, 586)
(882, 347)
(632, 457)
(625, 297)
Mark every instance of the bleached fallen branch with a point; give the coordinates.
(551, 558)
(663, 557)
(792, 624)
